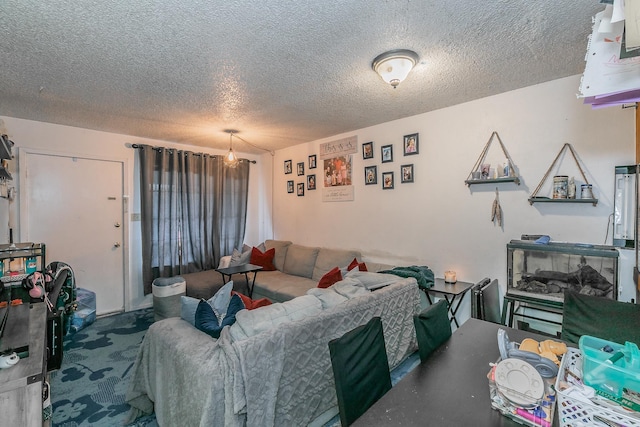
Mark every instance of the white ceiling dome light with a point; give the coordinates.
(394, 66)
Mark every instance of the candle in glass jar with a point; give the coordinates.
(450, 276)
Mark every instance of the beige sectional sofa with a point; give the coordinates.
(298, 269)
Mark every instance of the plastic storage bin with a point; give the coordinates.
(574, 412)
(614, 373)
(86, 312)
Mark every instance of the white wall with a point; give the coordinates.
(71, 140)
(440, 222)
(436, 221)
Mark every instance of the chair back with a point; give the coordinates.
(433, 328)
(600, 317)
(485, 301)
(360, 369)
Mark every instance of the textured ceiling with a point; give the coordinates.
(282, 72)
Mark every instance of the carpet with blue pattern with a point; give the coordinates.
(89, 388)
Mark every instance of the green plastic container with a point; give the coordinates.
(614, 373)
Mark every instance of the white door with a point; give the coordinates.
(74, 206)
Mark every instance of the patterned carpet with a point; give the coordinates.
(89, 388)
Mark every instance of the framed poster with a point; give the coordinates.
(370, 175)
(410, 144)
(406, 173)
(387, 153)
(387, 180)
(367, 150)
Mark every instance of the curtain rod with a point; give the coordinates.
(184, 151)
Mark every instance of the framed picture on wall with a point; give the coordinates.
(387, 180)
(367, 150)
(287, 167)
(406, 173)
(300, 168)
(289, 186)
(370, 175)
(301, 189)
(410, 144)
(387, 153)
(311, 182)
(312, 161)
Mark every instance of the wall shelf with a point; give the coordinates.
(512, 177)
(515, 179)
(534, 198)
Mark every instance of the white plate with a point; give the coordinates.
(519, 382)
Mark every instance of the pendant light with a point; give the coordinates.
(231, 160)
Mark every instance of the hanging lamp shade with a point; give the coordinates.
(231, 159)
(394, 66)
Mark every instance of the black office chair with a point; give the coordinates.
(600, 317)
(360, 369)
(433, 328)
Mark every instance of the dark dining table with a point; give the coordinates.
(450, 388)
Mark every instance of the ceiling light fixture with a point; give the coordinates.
(231, 160)
(394, 66)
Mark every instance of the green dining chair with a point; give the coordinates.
(433, 328)
(600, 317)
(360, 369)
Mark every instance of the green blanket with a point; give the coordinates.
(421, 273)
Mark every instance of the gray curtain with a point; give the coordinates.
(193, 211)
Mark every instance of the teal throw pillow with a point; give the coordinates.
(207, 322)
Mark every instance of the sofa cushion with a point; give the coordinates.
(240, 258)
(263, 259)
(361, 265)
(218, 302)
(280, 287)
(252, 304)
(281, 251)
(329, 258)
(250, 323)
(207, 321)
(300, 261)
(330, 278)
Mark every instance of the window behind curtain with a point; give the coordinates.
(193, 211)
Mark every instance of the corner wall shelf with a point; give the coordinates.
(512, 177)
(536, 199)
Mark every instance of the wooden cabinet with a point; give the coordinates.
(21, 385)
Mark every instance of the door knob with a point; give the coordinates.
(116, 225)
(116, 245)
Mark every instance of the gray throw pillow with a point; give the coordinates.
(238, 258)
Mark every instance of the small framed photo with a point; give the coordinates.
(300, 168)
(370, 175)
(406, 173)
(410, 144)
(311, 182)
(387, 153)
(367, 150)
(289, 186)
(287, 167)
(312, 161)
(301, 189)
(387, 180)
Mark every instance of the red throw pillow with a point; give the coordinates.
(330, 278)
(361, 265)
(264, 260)
(251, 304)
